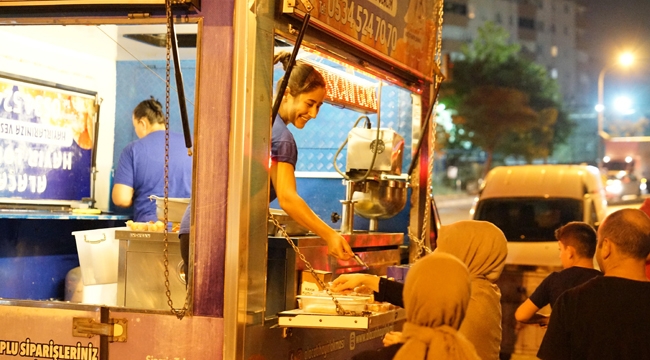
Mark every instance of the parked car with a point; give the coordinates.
(528, 203)
(621, 186)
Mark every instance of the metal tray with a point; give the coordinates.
(300, 319)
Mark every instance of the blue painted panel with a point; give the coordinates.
(321, 137)
(35, 277)
(36, 255)
(324, 195)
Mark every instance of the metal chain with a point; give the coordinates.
(180, 313)
(420, 241)
(339, 309)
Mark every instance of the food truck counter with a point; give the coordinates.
(60, 215)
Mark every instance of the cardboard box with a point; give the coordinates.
(309, 284)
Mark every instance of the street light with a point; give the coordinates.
(625, 60)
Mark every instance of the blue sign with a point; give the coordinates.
(46, 142)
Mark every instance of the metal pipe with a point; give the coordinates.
(181, 90)
(347, 212)
(287, 73)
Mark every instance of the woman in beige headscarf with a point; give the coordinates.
(436, 295)
(482, 247)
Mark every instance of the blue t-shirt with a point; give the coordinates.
(185, 221)
(142, 167)
(283, 148)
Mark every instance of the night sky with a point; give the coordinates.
(614, 27)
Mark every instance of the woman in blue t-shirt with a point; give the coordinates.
(301, 102)
(140, 171)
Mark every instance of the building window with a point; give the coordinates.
(554, 51)
(455, 8)
(497, 18)
(554, 73)
(527, 23)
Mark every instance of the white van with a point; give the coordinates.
(529, 202)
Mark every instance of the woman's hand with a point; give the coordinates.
(391, 338)
(351, 281)
(338, 247)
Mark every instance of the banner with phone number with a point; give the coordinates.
(404, 30)
(46, 141)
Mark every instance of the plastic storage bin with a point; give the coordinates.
(98, 255)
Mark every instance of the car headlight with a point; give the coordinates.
(614, 186)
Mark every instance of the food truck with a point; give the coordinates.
(72, 71)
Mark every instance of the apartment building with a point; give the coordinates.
(550, 33)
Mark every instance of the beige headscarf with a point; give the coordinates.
(482, 247)
(436, 294)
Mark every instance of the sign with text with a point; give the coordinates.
(404, 30)
(348, 93)
(46, 142)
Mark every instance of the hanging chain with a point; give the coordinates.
(180, 313)
(321, 283)
(420, 241)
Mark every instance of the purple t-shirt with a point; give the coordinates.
(283, 148)
(142, 167)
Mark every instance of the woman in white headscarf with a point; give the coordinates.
(436, 295)
(482, 247)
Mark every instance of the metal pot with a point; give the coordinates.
(380, 199)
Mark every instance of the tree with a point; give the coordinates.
(490, 113)
(524, 90)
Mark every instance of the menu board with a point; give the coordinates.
(404, 30)
(46, 142)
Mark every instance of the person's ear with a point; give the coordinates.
(606, 248)
(571, 252)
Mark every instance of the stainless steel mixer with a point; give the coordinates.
(375, 187)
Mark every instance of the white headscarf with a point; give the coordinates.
(436, 295)
(483, 248)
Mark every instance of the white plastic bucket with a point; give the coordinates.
(175, 208)
(98, 255)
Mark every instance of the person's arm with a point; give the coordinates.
(284, 182)
(527, 313)
(556, 344)
(123, 189)
(390, 291)
(122, 195)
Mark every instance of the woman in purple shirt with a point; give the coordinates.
(300, 103)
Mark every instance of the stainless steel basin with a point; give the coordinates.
(381, 199)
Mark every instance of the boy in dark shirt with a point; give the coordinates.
(577, 241)
(607, 317)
